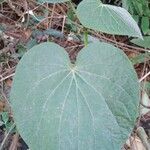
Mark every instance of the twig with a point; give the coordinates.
(121, 44)
(63, 24)
(4, 140)
(14, 142)
(4, 50)
(14, 8)
(61, 8)
(118, 44)
(9, 71)
(52, 15)
(145, 76)
(3, 79)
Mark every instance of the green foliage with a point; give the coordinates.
(70, 19)
(2, 1)
(110, 19)
(5, 121)
(91, 104)
(140, 10)
(137, 7)
(145, 25)
(5, 117)
(143, 43)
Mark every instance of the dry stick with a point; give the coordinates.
(36, 6)
(62, 10)
(115, 41)
(14, 142)
(28, 15)
(7, 18)
(145, 76)
(13, 7)
(47, 18)
(63, 24)
(52, 15)
(4, 140)
(112, 41)
(144, 70)
(47, 21)
(39, 4)
(47, 24)
(81, 45)
(4, 50)
(7, 106)
(143, 136)
(104, 38)
(123, 44)
(3, 79)
(131, 140)
(12, 70)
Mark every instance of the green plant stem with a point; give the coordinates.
(85, 37)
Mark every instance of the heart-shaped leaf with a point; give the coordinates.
(52, 1)
(110, 19)
(89, 105)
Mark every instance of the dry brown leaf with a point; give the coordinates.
(134, 143)
(2, 106)
(8, 82)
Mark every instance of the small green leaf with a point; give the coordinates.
(89, 105)
(5, 117)
(143, 43)
(107, 18)
(2, 1)
(138, 7)
(145, 25)
(52, 1)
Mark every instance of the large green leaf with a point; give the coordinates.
(107, 18)
(53, 1)
(90, 105)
